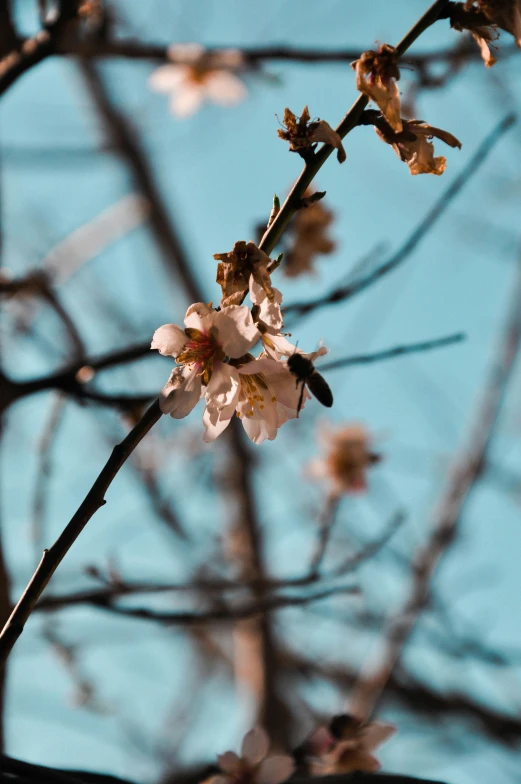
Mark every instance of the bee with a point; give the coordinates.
(304, 371)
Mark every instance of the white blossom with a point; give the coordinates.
(264, 398)
(200, 349)
(196, 75)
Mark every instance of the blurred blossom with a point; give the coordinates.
(376, 75)
(414, 145)
(196, 75)
(309, 239)
(253, 766)
(347, 745)
(347, 459)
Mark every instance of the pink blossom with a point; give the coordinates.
(253, 766)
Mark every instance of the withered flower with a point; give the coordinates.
(414, 145)
(239, 268)
(301, 134)
(468, 17)
(376, 76)
(309, 239)
(506, 14)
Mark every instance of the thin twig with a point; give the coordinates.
(391, 353)
(223, 613)
(54, 555)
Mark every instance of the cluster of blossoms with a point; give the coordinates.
(213, 357)
(345, 745)
(348, 456)
(196, 74)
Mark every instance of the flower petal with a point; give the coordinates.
(185, 52)
(229, 762)
(169, 340)
(225, 88)
(320, 352)
(355, 760)
(255, 746)
(288, 391)
(325, 133)
(486, 54)
(264, 364)
(167, 78)
(218, 780)
(277, 346)
(275, 769)
(376, 733)
(223, 387)
(237, 333)
(216, 420)
(229, 58)
(187, 99)
(254, 429)
(181, 393)
(270, 311)
(201, 310)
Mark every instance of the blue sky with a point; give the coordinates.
(218, 172)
